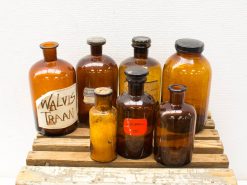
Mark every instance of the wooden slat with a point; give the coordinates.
(83, 145)
(31, 175)
(209, 124)
(44, 158)
(206, 134)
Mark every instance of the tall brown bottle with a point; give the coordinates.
(189, 67)
(53, 90)
(95, 70)
(175, 129)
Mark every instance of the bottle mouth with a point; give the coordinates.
(103, 91)
(177, 88)
(49, 45)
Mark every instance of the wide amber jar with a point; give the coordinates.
(95, 70)
(103, 126)
(53, 90)
(189, 67)
(141, 58)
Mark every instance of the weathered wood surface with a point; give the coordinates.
(82, 159)
(83, 145)
(209, 133)
(31, 175)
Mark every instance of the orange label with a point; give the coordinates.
(135, 127)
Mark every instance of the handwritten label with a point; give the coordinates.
(135, 127)
(57, 109)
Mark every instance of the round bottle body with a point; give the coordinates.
(174, 135)
(53, 90)
(103, 129)
(194, 71)
(93, 72)
(136, 119)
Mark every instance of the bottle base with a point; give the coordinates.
(58, 132)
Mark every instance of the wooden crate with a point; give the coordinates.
(72, 150)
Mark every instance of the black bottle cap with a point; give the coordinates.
(141, 42)
(189, 46)
(96, 41)
(136, 74)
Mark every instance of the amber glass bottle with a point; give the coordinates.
(136, 117)
(175, 129)
(103, 126)
(95, 70)
(53, 90)
(189, 67)
(153, 83)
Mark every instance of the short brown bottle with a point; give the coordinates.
(175, 129)
(136, 116)
(93, 71)
(53, 90)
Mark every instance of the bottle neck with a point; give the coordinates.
(50, 54)
(96, 50)
(141, 53)
(103, 103)
(188, 55)
(136, 88)
(176, 98)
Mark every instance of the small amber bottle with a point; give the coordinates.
(95, 70)
(103, 126)
(136, 116)
(141, 58)
(53, 90)
(189, 67)
(175, 129)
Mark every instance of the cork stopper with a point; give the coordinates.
(103, 91)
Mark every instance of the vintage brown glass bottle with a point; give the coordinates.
(95, 70)
(136, 116)
(189, 67)
(175, 129)
(153, 83)
(103, 126)
(53, 90)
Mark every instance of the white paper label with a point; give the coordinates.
(57, 109)
(88, 94)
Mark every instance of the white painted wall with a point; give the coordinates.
(221, 24)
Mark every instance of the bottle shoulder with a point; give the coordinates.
(55, 68)
(127, 100)
(95, 111)
(149, 62)
(167, 109)
(90, 61)
(188, 65)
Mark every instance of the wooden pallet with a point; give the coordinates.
(72, 150)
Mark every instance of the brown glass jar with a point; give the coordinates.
(189, 67)
(53, 90)
(95, 70)
(136, 117)
(175, 129)
(141, 58)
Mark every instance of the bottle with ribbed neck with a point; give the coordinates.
(136, 116)
(141, 58)
(189, 67)
(175, 129)
(53, 90)
(95, 70)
